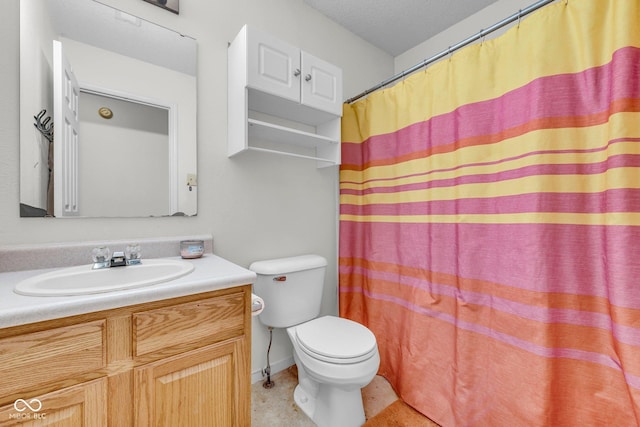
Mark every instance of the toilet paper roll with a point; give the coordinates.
(257, 305)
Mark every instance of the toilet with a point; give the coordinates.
(335, 357)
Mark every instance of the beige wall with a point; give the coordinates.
(256, 206)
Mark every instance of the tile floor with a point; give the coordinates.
(275, 407)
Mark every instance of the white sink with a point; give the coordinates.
(84, 280)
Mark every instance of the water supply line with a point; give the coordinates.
(513, 18)
(268, 383)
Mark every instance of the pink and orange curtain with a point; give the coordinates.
(490, 224)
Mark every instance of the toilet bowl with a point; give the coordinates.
(335, 357)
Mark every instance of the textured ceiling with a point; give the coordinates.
(396, 26)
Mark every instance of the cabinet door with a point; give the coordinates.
(201, 388)
(321, 85)
(83, 405)
(273, 66)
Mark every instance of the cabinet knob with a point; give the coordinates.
(307, 77)
(296, 73)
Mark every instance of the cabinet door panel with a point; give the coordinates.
(198, 388)
(321, 84)
(273, 66)
(82, 405)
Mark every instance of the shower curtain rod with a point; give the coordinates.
(515, 17)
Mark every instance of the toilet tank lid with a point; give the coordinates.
(288, 265)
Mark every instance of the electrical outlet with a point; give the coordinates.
(192, 179)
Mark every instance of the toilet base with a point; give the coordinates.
(332, 406)
(304, 401)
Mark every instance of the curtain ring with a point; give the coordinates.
(449, 52)
(519, 17)
(482, 36)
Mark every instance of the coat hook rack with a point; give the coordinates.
(45, 127)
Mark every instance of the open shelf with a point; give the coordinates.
(277, 133)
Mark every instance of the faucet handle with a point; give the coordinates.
(133, 253)
(101, 257)
(101, 254)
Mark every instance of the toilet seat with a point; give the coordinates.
(336, 340)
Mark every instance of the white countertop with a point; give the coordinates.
(211, 273)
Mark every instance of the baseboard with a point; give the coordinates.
(276, 367)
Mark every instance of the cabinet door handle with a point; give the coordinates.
(307, 77)
(296, 73)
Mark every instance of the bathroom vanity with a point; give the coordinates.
(172, 354)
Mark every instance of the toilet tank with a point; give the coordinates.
(291, 289)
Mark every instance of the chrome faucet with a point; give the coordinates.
(118, 259)
(103, 258)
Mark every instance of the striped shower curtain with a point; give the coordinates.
(490, 224)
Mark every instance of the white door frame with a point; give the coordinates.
(172, 110)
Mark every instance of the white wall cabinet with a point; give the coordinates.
(282, 100)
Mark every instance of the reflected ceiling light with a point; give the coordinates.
(130, 19)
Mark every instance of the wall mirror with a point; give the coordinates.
(107, 113)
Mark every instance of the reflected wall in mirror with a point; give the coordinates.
(134, 144)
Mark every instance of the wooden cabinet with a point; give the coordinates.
(179, 362)
(282, 99)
